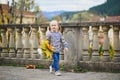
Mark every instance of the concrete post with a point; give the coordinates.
(34, 37)
(11, 43)
(43, 30)
(4, 43)
(85, 42)
(26, 42)
(19, 44)
(105, 44)
(116, 44)
(95, 54)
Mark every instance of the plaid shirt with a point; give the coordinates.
(56, 40)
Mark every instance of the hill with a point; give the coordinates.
(84, 16)
(61, 13)
(110, 8)
(68, 14)
(50, 15)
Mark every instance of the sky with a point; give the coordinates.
(66, 5)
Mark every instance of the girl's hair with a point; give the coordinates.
(54, 21)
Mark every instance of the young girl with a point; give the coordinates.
(55, 39)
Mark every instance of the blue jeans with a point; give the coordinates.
(55, 63)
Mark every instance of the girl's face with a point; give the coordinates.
(54, 27)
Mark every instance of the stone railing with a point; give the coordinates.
(21, 41)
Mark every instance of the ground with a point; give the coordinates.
(21, 73)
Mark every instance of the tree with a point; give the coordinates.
(57, 18)
(36, 9)
(41, 18)
(27, 5)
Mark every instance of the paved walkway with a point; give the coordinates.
(21, 73)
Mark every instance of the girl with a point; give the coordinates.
(55, 39)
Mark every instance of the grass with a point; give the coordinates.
(17, 65)
(73, 69)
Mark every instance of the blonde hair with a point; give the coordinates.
(54, 22)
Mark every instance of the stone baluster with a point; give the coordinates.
(34, 37)
(26, 42)
(42, 37)
(11, 42)
(105, 44)
(116, 44)
(39, 36)
(19, 44)
(85, 43)
(43, 30)
(4, 43)
(95, 54)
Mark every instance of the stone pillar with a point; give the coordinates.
(4, 43)
(116, 44)
(43, 30)
(85, 43)
(34, 43)
(19, 44)
(26, 42)
(105, 44)
(95, 54)
(71, 56)
(90, 32)
(62, 52)
(11, 42)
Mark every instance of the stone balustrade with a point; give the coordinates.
(21, 41)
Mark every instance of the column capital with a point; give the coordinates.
(85, 28)
(26, 29)
(105, 28)
(95, 28)
(3, 30)
(10, 29)
(43, 30)
(19, 30)
(116, 28)
(34, 29)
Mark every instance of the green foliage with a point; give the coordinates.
(14, 65)
(100, 51)
(90, 52)
(79, 69)
(111, 8)
(62, 67)
(111, 52)
(57, 18)
(68, 14)
(41, 18)
(40, 67)
(18, 65)
(27, 5)
(73, 69)
(83, 16)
